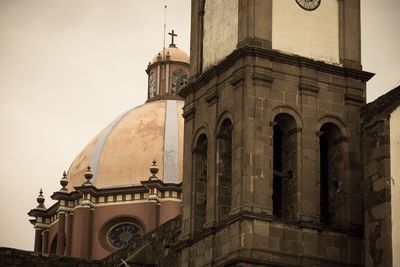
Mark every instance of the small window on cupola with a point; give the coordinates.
(179, 79)
(152, 85)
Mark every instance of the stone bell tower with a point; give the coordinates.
(272, 160)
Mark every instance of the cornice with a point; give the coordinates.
(275, 56)
(199, 235)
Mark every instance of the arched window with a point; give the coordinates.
(285, 167)
(200, 181)
(331, 172)
(224, 167)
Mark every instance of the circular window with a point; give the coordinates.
(123, 234)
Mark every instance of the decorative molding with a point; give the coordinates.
(308, 89)
(262, 79)
(276, 56)
(354, 99)
(212, 96)
(238, 78)
(188, 113)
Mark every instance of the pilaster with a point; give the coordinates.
(61, 233)
(38, 239)
(255, 23)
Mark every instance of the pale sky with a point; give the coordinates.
(68, 68)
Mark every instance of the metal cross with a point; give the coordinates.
(173, 34)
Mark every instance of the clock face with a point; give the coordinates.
(152, 84)
(123, 234)
(309, 4)
(179, 79)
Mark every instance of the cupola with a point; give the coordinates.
(167, 72)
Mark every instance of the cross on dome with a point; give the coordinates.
(173, 35)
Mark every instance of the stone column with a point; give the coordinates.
(90, 230)
(61, 233)
(45, 244)
(38, 240)
(85, 217)
(158, 207)
(70, 218)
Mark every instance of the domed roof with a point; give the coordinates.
(174, 53)
(123, 152)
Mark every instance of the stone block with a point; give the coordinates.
(310, 236)
(261, 242)
(261, 228)
(381, 211)
(333, 253)
(275, 243)
(297, 248)
(293, 234)
(310, 249)
(276, 232)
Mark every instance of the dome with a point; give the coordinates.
(175, 54)
(122, 153)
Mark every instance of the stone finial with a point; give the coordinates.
(64, 182)
(88, 176)
(153, 170)
(40, 200)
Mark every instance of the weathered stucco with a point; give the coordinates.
(220, 30)
(122, 153)
(313, 34)
(395, 181)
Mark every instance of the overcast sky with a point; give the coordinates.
(68, 68)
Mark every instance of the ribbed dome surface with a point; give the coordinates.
(123, 152)
(175, 54)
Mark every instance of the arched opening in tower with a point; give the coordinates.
(224, 166)
(331, 173)
(200, 179)
(284, 184)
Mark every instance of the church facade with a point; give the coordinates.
(281, 162)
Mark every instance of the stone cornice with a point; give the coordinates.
(276, 56)
(197, 236)
(78, 197)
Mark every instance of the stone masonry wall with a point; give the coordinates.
(10, 257)
(377, 179)
(159, 252)
(376, 152)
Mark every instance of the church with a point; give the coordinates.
(257, 150)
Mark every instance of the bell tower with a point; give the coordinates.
(272, 160)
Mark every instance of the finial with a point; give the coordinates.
(40, 200)
(153, 170)
(88, 176)
(173, 34)
(64, 182)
